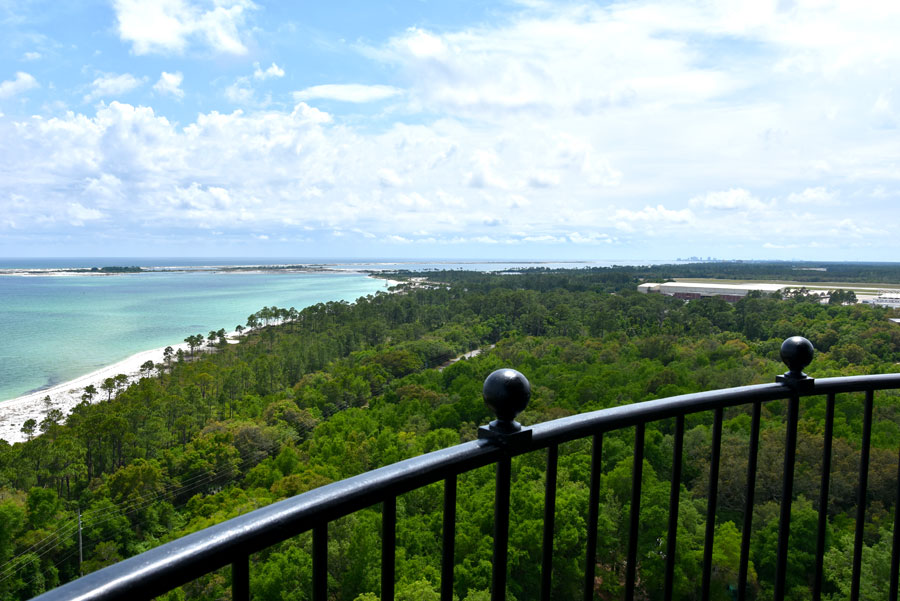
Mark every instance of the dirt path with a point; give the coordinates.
(468, 355)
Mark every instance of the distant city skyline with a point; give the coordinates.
(468, 130)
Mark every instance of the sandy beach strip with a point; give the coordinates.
(15, 412)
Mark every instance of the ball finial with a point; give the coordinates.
(797, 352)
(507, 393)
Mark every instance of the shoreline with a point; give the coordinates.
(66, 395)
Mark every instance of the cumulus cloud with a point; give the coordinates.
(693, 113)
(729, 200)
(347, 93)
(78, 214)
(543, 179)
(111, 84)
(272, 71)
(169, 26)
(241, 92)
(658, 214)
(819, 195)
(170, 84)
(484, 171)
(22, 83)
(389, 178)
(538, 62)
(627, 220)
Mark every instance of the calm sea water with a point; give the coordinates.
(341, 264)
(54, 329)
(57, 328)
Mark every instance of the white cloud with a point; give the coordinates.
(729, 200)
(241, 92)
(78, 214)
(113, 85)
(484, 171)
(389, 178)
(169, 26)
(819, 196)
(22, 83)
(538, 63)
(31, 56)
(170, 83)
(543, 179)
(273, 71)
(626, 219)
(347, 93)
(591, 238)
(691, 119)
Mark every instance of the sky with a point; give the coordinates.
(644, 130)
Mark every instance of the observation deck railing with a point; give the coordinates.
(507, 392)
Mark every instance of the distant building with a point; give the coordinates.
(887, 299)
(693, 290)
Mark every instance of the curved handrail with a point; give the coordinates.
(158, 570)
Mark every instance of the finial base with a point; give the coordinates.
(506, 435)
(797, 381)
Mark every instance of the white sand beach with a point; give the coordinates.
(15, 412)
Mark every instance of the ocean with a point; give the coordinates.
(55, 328)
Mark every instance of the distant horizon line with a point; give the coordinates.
(374, 259)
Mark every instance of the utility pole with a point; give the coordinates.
(80, 557)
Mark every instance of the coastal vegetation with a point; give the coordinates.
(312, 396)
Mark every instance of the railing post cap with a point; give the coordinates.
(506, 392)
(797, 352)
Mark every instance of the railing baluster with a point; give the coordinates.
(674, 497)
(748, 505)
(320, 563)
(823, 497)
(388, 547)
(549, 521)
(711, 504)
(449, 542)
(861, 495)
(590, 561)
(240, 578)
(787, 493)
(636, 477)
(895, 548)
(501, 530)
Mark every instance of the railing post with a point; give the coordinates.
(506, 392)
(796, 352)
(240, 578)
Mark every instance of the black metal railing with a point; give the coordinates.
(507, 392)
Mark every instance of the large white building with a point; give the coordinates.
(693, 290)
(887, 299)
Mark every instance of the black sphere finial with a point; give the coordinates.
(797, 352)
(507, 393)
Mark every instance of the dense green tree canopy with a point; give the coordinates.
(313, 396)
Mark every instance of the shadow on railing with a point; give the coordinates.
(507, 393)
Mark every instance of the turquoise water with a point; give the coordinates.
(57, 328)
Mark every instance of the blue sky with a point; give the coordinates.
(638, 130)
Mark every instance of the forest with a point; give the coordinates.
(312, 396)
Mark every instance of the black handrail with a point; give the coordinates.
(232, 542)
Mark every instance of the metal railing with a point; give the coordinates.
(507, 392)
